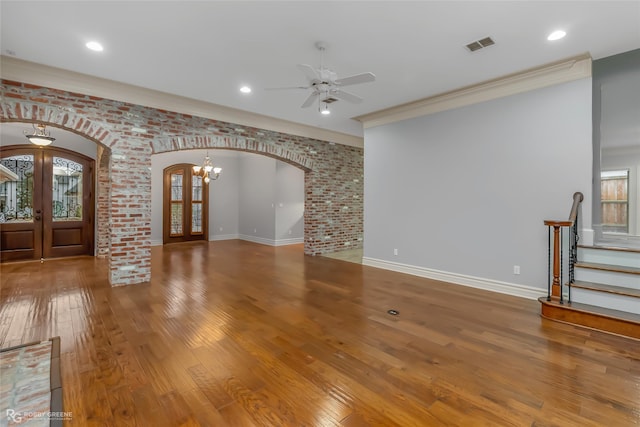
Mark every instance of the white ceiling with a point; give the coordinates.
(207, 49)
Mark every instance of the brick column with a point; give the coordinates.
(130, 227)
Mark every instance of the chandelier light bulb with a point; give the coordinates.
(206, 169)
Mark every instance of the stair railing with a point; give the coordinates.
(554, 286)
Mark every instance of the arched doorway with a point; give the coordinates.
(46, 203)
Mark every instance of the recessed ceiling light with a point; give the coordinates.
(95, 46)
(556, 35)
(245, 89)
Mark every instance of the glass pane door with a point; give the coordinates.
(16, 189)
(177, 217)
(67, 190)
(46, 203)
(196, 204)
(185, 205)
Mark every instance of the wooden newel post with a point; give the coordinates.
(555, 285)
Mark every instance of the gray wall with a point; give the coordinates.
(466, 191)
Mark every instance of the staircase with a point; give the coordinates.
(605, 293)
(602, 290)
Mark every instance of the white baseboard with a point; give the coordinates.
(156, 242)
(214, 237)
(459, 279)
(292, 241)
(271, 242)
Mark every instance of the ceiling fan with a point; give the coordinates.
(326, 86)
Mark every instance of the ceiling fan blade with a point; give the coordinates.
(309, 71)
(347, 96)
(354, 80)
(287, 88)
(310, 100)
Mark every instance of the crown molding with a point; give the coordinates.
(567, 70)
(56, 78)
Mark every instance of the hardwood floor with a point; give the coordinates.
(233, 333)
(351, 255)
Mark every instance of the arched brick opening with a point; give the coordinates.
(102, 173)
(130, 134)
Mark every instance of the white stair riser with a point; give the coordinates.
(606, 300)
(608, 277)
(600, 256)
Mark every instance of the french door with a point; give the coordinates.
(46, 203)
(185, 201)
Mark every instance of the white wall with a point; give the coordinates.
(462, 194)
(257, 195)
(289, 185)
(223, 196)
(243, 199)
(271, 201)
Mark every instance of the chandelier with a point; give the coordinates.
(40, 136)
(207, 170)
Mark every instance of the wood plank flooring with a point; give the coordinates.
(234, 333)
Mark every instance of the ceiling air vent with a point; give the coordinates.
(479, 44)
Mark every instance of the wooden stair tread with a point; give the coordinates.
(598, 318)
(600, 287)
(610, 248)
(608, 267)
(587, 308)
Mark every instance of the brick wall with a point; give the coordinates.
(333, 172)
(103, 198)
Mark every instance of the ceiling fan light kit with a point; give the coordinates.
(326, 87)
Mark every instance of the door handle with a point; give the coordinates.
(38, 211)
(37, 217)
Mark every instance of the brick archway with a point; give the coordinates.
(130, 133)
(234, 143)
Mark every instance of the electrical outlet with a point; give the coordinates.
(516, 269)
(395, 252)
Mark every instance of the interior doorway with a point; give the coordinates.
(46, 203)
